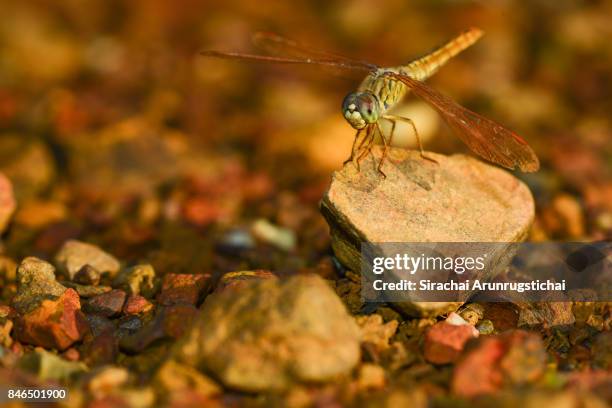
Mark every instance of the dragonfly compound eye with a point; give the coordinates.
(360, 109)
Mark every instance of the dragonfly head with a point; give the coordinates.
(361, 109)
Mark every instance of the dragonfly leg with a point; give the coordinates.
(367, 148)
(353, 147)
(393, 123)
(368, 135)
(385, 148)
(416, 133)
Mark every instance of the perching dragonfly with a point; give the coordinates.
(383, 88)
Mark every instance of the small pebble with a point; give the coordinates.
(136, 304)
(75, 254)
(183, 288)
(54, 323)
(137, 280)
(87, 275)
(240, 279)
(485, 327)
(108, 304)
(280, 237)
(444, 341)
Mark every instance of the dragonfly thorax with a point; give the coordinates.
(361, 109)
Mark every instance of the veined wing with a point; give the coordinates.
(483, 136)
(285, 47)
(290, 52)
(284, 60)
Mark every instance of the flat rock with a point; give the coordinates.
(458, 199)
(272, 334)
(75, 254)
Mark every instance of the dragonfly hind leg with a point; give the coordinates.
(394, 118)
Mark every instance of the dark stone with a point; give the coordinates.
(108, 304)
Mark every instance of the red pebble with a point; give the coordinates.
(54, 324)
(183, 288)
(514, 357)
(444, 342)
(136, 304)
(107, 304)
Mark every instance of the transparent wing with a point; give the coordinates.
(281, 46)
(285, 60)
(483, 136)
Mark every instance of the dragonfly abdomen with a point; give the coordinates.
(426, 66)
(389, 91)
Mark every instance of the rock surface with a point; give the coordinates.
(271, 334)
(75, 254)
(459, 199)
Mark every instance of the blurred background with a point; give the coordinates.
(114, 130)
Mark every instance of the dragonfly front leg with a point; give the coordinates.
(368, 147)
(353, 147)
(393, 118)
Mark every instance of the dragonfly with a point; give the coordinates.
(384, 87)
